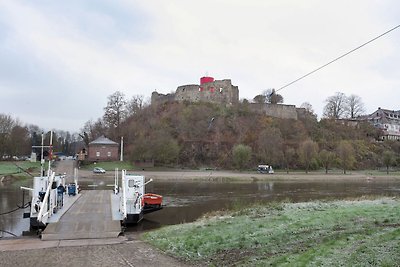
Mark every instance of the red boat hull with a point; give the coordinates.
(152, 199)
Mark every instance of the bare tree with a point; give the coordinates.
(93, 130)
(388, 159)
(7, 123)
(134, 105)
(308, 107)
(115, 112)
(335, 106)
(272, 97)
(289, 154)
(326, 157)
(260, 99)
(345, 154)
(269, 145)
(355, 106)
(307, 153)
(19, 144)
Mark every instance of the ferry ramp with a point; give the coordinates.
(89, 217)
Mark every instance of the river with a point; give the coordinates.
(185, 201)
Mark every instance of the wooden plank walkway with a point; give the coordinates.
(89, 217)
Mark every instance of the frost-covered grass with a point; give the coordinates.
(337, 233)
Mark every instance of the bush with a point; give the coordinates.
(241, 156)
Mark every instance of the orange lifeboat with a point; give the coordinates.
(152, 200)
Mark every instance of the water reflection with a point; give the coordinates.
(188, 200)
(10, 198)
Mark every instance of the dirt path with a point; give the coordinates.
(82, 253)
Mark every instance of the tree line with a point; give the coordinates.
(206, 134)
(17, 139)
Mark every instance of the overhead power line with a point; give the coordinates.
(336, 59)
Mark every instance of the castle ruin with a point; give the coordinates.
(209, 90)
(279, 110)
(223, 92)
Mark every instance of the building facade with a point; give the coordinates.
(103, 149)
(386, 120)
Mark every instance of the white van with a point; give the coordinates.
(265, 169)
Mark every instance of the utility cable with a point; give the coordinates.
(336, 59)
(18, 208)
(11, 211)
(7, 232)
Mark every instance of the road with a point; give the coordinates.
(67, 167)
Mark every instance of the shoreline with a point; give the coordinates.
(245, 176)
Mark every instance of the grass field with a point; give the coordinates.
(17, 168)
(338, 233)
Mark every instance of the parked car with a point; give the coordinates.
(99, 170)
(265, 169)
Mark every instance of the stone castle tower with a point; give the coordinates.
(209, 90)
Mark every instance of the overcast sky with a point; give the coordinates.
(59, 60)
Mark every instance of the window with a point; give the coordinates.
(109, 154)
(98, 154)
(132, 183)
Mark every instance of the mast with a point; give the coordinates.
(42, 146)
(50, 150)
(122, 149)
(41, 157)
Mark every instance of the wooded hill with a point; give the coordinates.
(197, 135)
(183, 134)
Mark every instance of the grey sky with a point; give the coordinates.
(59, 60)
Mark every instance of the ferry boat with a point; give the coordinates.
(130, 202)
(50, 196)
(50, 199)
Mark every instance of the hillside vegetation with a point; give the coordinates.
(205, 134)
(193, 135)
